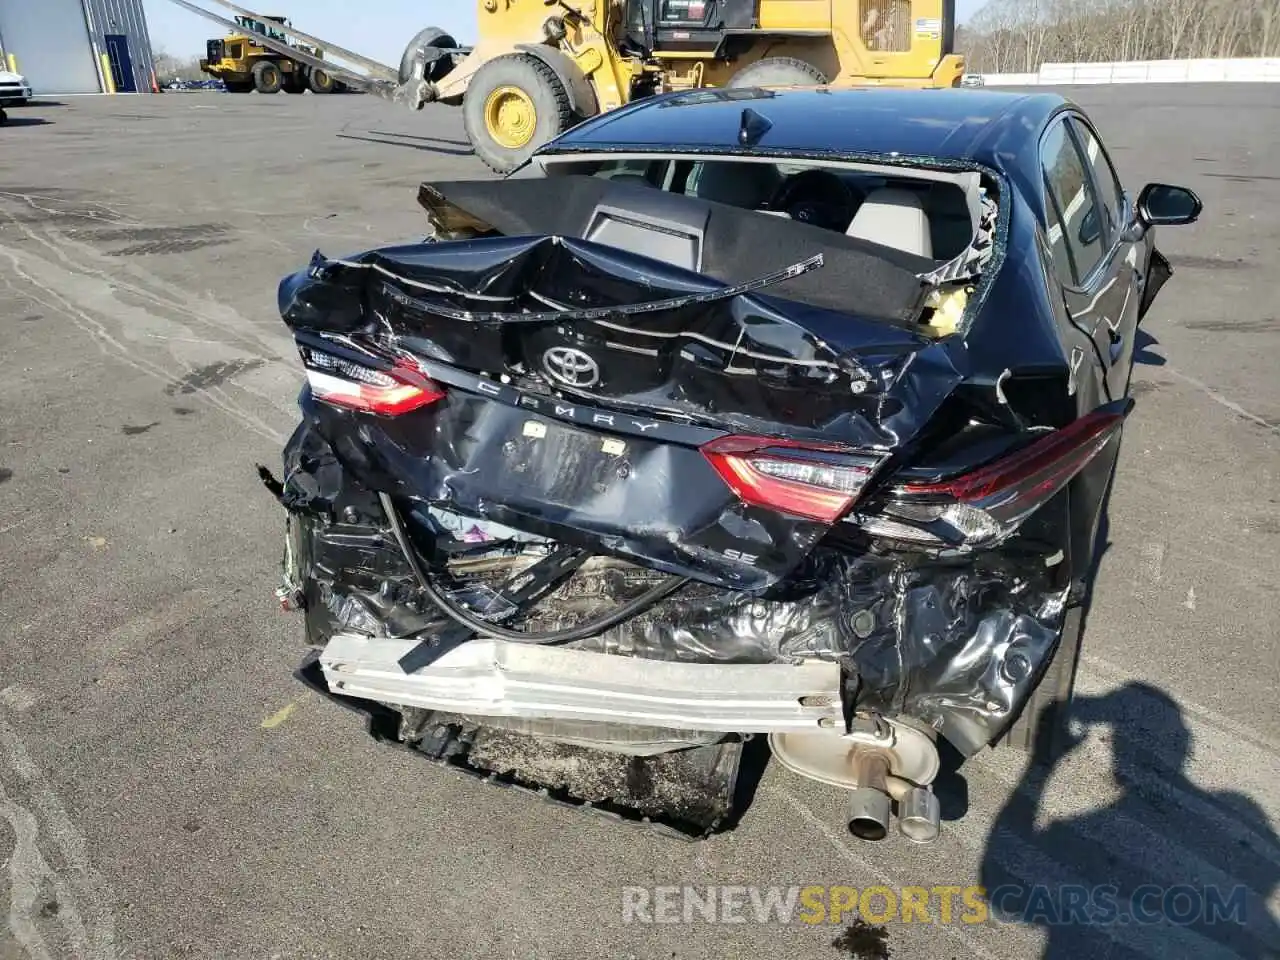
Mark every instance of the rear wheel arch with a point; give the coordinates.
(1041, 728)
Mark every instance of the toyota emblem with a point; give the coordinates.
(571, 367)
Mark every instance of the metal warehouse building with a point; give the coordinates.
(78, 46)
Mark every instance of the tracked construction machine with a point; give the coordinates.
(540, 66)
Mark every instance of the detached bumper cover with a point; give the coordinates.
(494, 678)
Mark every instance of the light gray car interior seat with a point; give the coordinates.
(639, 179)
(743, 185)
(893, 218)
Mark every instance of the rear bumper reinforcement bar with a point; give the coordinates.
(499, 678)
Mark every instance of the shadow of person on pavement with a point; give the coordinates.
(1166, 870)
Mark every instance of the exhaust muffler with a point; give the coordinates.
(882, 765)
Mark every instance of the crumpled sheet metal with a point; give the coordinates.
(955, 643)
(748, 361)
(661, 505)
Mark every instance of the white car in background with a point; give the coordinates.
(14, 89)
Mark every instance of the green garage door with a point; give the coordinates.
(51, 41)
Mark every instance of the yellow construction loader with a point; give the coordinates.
(244, 63)
(541, 66)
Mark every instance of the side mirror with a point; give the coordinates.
(1162, 203)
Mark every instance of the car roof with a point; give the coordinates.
(952, 123)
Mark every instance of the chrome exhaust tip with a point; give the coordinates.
(869, 802)
(869, 813)
(919, 815)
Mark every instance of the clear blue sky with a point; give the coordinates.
(376, 28)
(379, 29)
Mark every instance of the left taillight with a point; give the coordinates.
(814, 481)
(389, 390)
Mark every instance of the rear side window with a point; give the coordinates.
(1070, 191)
(1110, 193)
(1062, 262)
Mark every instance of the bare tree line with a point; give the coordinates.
(170, 68)
(1016, 36)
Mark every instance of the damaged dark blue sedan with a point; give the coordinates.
(731, 413)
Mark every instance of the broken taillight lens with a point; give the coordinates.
(813, 481)
(345, 383)
(987, 504)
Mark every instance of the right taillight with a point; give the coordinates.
(988, 504)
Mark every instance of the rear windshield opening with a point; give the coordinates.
(905, 244)
(932, 214)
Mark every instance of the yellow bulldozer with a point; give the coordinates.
(243, 62)
(540, 66)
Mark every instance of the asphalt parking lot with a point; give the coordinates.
(168, 790)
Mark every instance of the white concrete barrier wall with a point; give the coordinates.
(1010, 79)
(1250, 70)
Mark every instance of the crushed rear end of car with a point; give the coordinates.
(572, 517)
